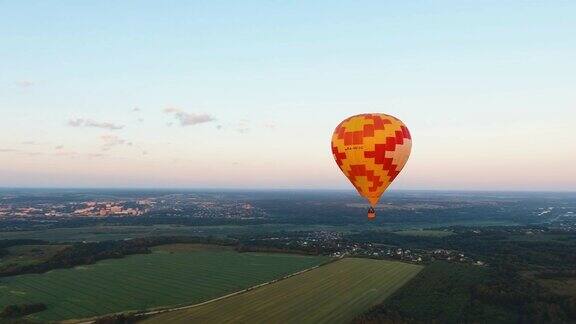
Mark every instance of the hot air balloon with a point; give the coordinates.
(371, 150)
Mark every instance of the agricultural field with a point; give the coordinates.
(191, 247)
(171, 275)
(113, 232)
(334, 293)
(425, 233)
(100, 233)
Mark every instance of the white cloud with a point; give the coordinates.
(243, 126)
(29, 143)
(24, 83)
(189, 119)
(243, 130)
(111, 141)
(81, 122)
(270, 125)
(20, 152)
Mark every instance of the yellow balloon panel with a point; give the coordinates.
(371, 150)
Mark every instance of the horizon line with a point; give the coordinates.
(147, 188)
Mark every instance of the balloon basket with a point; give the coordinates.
(371, 214)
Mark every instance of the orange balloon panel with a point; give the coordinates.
(371, 149)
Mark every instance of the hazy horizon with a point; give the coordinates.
(287, 189)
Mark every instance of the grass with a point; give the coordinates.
(164, 278)
(334, 293)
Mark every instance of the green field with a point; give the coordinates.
(171, 276)
(112, 232)
(425, 233)
(191, 247)
(334, 293)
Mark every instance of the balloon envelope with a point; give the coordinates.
(371, 150)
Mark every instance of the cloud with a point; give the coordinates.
(111, 141)
(20, 152)
(70, 154)
(171, 110)
(243, 130)
(189, 119)
(58, 151)
(76, 122)
(24, 84)
(73, 155)
(29, 143)
(95, 155)
(136, 109)
(81, 122)
(243, 126)
(270, 125)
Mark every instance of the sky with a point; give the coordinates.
(246, 94)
